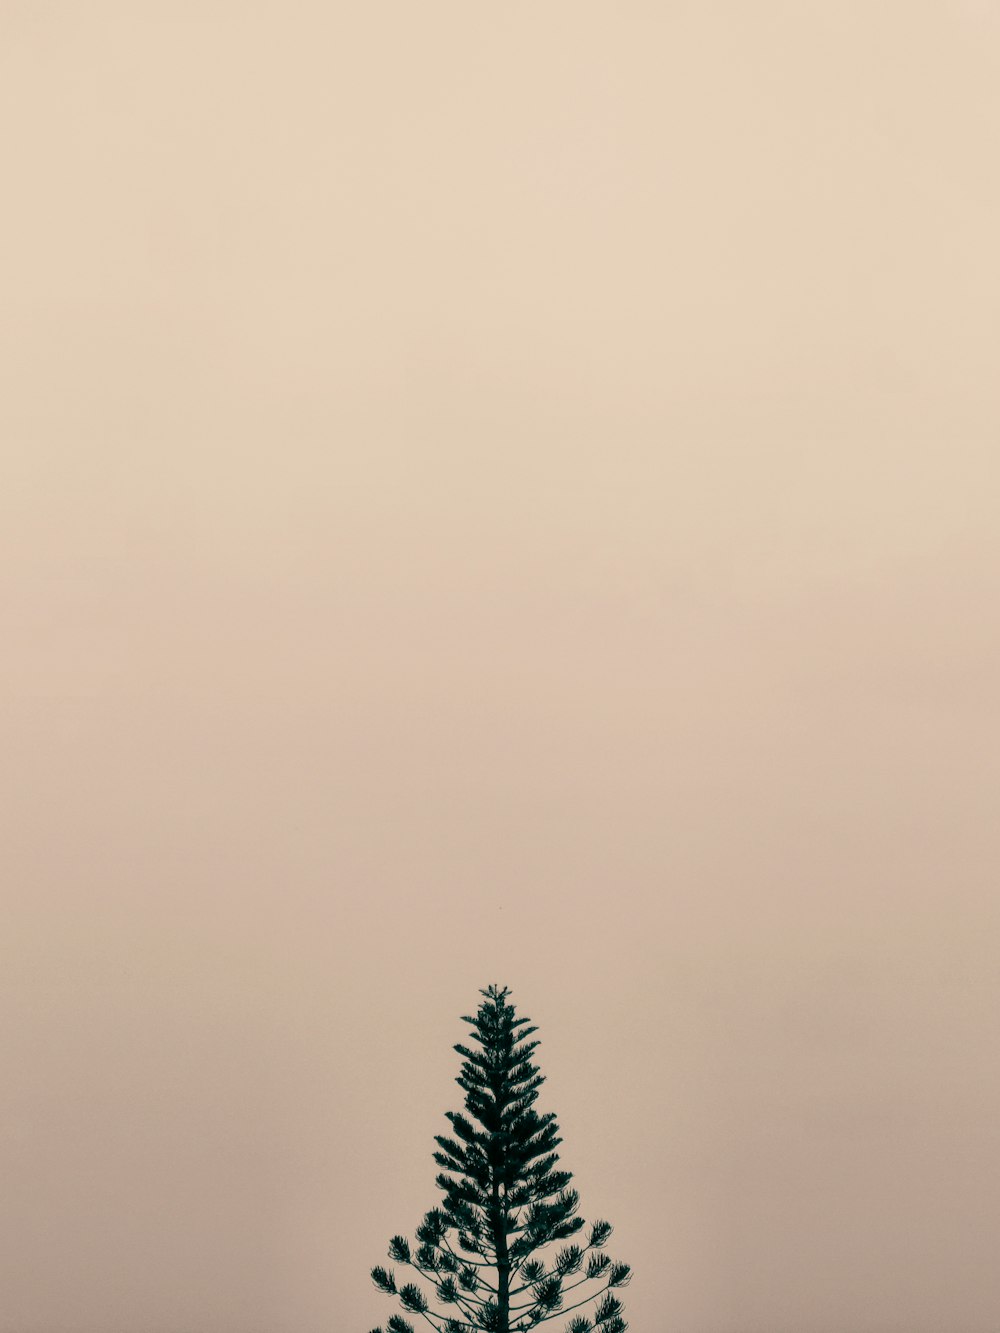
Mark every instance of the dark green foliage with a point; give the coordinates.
(384, 1280)
(505, 1201)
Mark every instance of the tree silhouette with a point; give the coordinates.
(505, 1201)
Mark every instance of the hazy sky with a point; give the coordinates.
(500, 492)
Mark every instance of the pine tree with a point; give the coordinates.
(505, 1202)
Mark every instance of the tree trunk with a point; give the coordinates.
(503, 1261)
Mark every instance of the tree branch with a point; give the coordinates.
(557, 1313)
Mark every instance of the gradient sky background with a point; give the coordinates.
(500, 493)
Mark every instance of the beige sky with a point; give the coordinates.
(500, 493)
